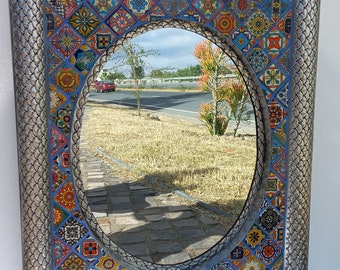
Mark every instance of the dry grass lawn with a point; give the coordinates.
(178, 152)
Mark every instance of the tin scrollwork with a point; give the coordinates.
(281, 186)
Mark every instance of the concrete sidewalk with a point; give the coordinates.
(157, 227)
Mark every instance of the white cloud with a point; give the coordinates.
(175, 47)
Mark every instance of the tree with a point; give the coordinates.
(229, 97)
(133, 56)
(112, 76)
(213, 62)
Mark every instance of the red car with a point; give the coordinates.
(105, 86)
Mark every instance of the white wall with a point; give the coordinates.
(10, 244)
(325, 211)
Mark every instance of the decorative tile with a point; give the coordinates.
(280, 133)
(280, 167)
(53, 21)
(57, 141)
(101, 39)
(56, 99)
(60, 251)
(272, 78)
(67, 79)
(71, 232)
(107, 263)
(242, 39)
(83, 59)
(173, 7)
(279, 200)
(277, 149)
(254, 237)
(237, 253)
(268, 251)
(258, 59)
(65, 197)
(192, 15)
(73, 262)
(273, 42)
(284, 60)
(269, 219)
(222, 266)
(278, 234)
(62, 118)
(282, 94)
(84, 21)
(139, 7)
(90, 248)
(285, 24)
(207, 8)
(58, 177)
(103, 7)
(66, 41)
(54, 61)
(258, 23)
(274, 186)
(253, 263)
(121, 21)
(59, 215)
(276, 114)
(156, 13)
(242, 8)
(225, 22)
(278, 265)
(64, 8)
(276, 8)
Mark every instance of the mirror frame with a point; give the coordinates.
(35, 142)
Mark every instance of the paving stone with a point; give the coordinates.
(189, 222)
(99, 207)
(138, 250)
(91, 185)
(205, 244)
(135, 227)
(137, 187)
(120, 200)
(175, 258)
(151, 211)
(208, 220)
(160, 225)
(162, 235)
(129, 238)
(127, 220)
(179, 215)
(177, 208)
(99, 214)
(168, 247)
(151, 218)
(189, 233)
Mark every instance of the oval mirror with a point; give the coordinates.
(167, 146)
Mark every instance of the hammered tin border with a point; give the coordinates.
(34, 134)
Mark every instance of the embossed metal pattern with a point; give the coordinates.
(258, 36)
(30, 94)
(301, 133)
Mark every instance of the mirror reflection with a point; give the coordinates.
(168, 146)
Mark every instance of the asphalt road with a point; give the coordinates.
(183, 103)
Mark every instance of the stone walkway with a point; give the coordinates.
(159, 228)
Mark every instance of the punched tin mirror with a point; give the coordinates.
(272, 42)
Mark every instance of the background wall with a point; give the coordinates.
(325, 214)
(10, 244)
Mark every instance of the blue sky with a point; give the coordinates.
(175, 47)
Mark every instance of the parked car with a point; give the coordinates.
(105, 86)
(94, 84)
